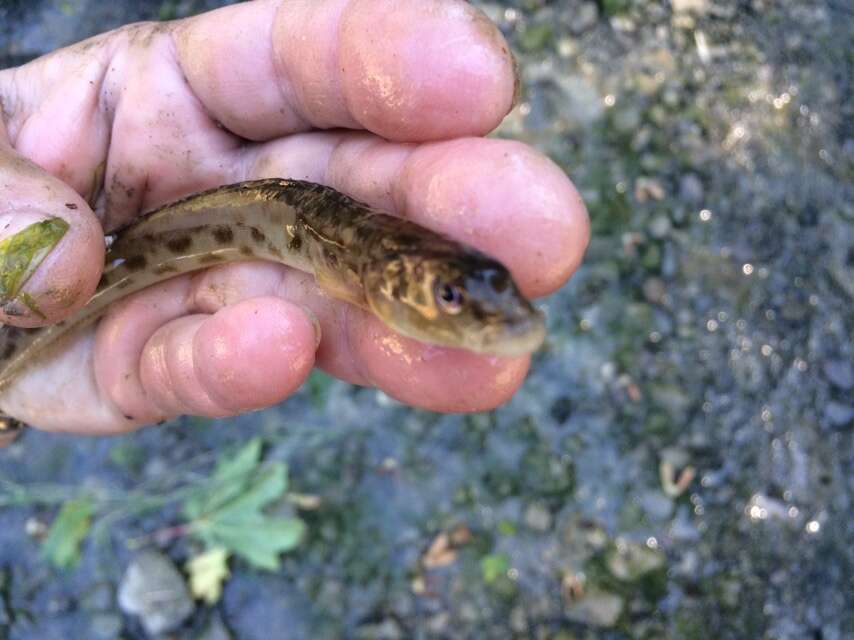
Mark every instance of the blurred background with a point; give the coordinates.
(677, 465)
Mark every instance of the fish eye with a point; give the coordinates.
(449, 297)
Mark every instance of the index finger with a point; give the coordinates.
(411, 70)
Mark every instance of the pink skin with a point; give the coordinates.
(241, 93)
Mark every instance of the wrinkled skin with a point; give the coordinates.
(256, 90)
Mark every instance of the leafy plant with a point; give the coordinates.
(494, 566)
(62, 545)
(207, 573)
(227, 512)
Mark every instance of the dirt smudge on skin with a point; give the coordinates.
(493, 36)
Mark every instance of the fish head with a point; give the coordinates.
(460, 299)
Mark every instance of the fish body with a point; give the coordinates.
(419, 282)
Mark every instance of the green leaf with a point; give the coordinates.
(229, 479)
(494, 566)
(267, 486)
(228, 513)
(22, 253)
(258, 541)
(207, 573)
(62, 546)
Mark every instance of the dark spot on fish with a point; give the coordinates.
(165, 268)
(179, 245)
(71, 205)
(135, 263)
(257, 234)
(209, 258)
(223, 234)
(246, 251)
(295, 243)
(331, 258)
(272, 248)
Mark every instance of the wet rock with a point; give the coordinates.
(840, 373)
(597, 608)
(629, 561)
(654, 290)
(385, 630)
(106, 626)
(656, 505)
(518, 619)
(100, 598)
(537, 517)
(689, 6)
(837, 414)
(153, 589)
(215, 630)
(586, 103)
(660, 227)
(585, 17)
(691, 189)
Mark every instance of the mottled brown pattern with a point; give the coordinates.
(136, 262)
(257, 235)
(223, 234)
(179, 245)
(359, 255)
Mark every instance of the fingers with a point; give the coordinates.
(420, 70)
(51, 246)
(175, 362)
(496, 195)
(360, 349)
(153, 361)
(214, 366)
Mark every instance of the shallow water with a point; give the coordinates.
(679, 462)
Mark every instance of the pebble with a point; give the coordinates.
(840, 373)
(660, 227)
(691, 189)
(99, 598)
(837, 414)
(689, 6)
(385, 630)
(597, 608)
(537, 517)
(106, 626)
(654, 290)
(585, 17)
(153, 589)
(656, 505)
(215, 630)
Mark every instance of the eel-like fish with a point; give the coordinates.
(419, 282)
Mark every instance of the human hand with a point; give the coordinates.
(379, 101)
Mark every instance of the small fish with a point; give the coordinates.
(418, 282)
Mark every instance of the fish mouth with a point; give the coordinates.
(522, 337)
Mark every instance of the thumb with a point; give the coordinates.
(51, 244)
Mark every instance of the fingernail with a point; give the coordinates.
(22, 253)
